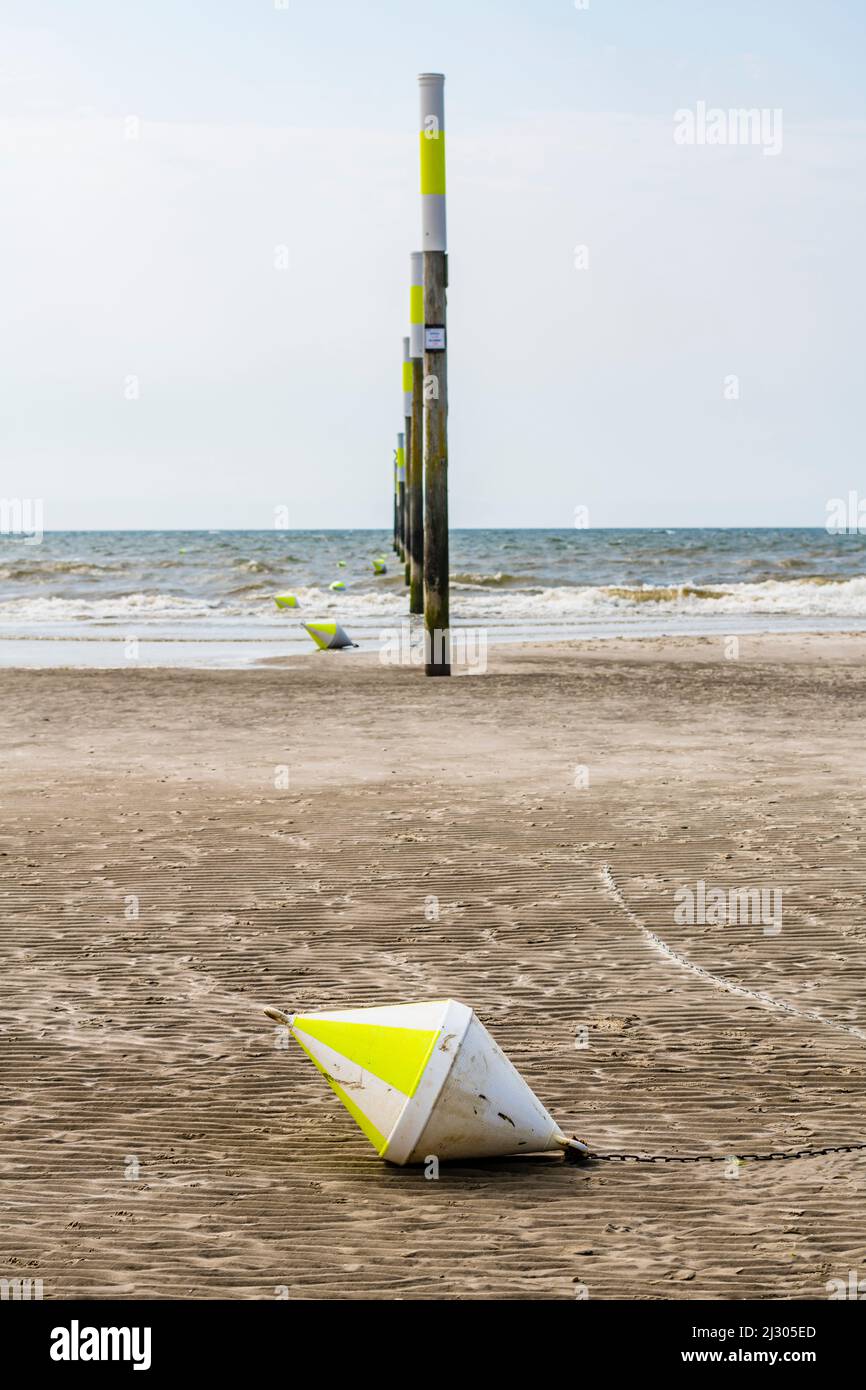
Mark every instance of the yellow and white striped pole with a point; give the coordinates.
(401, 491)
(434, 244)
(407, 425)
(415, 481)
(432, 88)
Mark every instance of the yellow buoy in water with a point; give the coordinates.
(337, 585)
(286, 600)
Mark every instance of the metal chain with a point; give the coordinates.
(715, 1158)
(732, 988)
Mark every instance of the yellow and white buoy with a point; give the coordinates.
(328, 636)
(426, 1080)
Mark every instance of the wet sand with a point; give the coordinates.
(157, 1142)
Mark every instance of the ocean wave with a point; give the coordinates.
(259, 589)
(254, 566)
(664, 594)
(816, 596)
(490, 581)
(813, 596)
(144, 607)
(47, 569)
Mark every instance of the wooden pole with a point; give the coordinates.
(435, 386)
(394, 547)
(416, 454)
(407, 426)
(401, 492)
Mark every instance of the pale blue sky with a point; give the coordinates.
(263, 127)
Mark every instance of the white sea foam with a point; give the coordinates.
(796, 598)
(141, 607)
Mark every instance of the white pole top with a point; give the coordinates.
(431, 90)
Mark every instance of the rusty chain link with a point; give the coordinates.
(713, 1158)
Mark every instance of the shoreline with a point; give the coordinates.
(202, 653)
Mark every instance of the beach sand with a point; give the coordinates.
(157, 1140)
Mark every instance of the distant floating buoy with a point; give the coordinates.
(379, 567)
(426, 1080)
(341, 564)
(286, 600)
(328, 636)
(337, 585)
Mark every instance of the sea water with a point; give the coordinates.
(206, 598)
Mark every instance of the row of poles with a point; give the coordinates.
(421, 456)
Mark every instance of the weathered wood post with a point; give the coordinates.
(401, 491)
(410, 450)
(416, 453)
(394, 470)
(434, 243)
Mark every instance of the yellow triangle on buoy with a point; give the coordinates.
(328, 636)
(366, 1126)
(321, 633)
(364, 1123)
(397, 1056)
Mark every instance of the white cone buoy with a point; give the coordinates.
(426, 1080)
(286, 600)
(328, 636)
